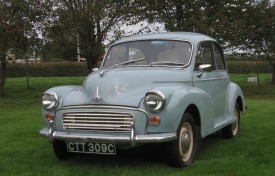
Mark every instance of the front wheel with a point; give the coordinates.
(60, 150)
(182, 151)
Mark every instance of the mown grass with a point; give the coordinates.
(24, 152)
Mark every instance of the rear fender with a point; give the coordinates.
(235, 94)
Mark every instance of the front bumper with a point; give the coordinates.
(131, 139)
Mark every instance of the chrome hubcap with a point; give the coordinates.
(185, 141)
(235, 123)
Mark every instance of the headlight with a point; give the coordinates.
(49, 100)
(154, 101)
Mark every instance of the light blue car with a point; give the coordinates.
(169, 88)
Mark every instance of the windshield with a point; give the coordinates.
(149, 53)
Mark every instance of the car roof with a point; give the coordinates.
(185, 36)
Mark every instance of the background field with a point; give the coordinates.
(23, 152)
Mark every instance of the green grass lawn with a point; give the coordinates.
(24, 152)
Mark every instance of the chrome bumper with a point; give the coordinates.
(132, 139)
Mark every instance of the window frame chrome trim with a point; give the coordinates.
(179, 40)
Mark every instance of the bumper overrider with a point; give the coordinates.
(131, 139)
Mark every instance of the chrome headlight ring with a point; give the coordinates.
(49, 100)
(154, 101)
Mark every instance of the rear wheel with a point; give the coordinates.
(232, 130)
(182, 151)
(60, 150)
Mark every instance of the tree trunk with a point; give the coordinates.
(258, 75)
(92, 61)
(89, 63)
(3, 73)
(27, 74)
(93, 54)
(272, 63)
(273, 74)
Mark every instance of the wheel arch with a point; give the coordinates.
(236, 96)
(194, 111)
(240, 103)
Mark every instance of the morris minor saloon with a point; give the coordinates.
(170, 88)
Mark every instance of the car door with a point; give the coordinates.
(212, 81)
(223, 83)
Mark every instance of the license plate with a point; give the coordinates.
(91, 147)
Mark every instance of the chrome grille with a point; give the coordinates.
(98, 121)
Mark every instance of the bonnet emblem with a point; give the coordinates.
(98, 97)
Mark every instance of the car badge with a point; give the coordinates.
(98, 97)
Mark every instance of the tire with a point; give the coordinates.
(182, 151)
(60, 150)
(233, 130)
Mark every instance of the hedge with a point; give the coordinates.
(247, 67)
(71, 69)
(54, 69)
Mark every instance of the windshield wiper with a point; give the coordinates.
(167, 63)
(128, 62)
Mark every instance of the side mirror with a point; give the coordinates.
(94, 69)
(202, 68)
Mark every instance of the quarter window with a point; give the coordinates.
(219, 58)
(207, 53)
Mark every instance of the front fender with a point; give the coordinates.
(177, 103)
(61, 92)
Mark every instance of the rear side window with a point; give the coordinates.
(207, 54)
(210, 53)
(219, 58)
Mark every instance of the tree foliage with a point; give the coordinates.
(55, 28)
(176, 15)
(19, 21)
(244, 24)
(221, 19)
(88, 21)
(10, 34)
(260, 33)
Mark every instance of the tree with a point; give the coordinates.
(90, 20)
(224, 20)
(19, 20)
(260, 35)
(221, 19)
(176, 15)
(59, 43)
(9, 34)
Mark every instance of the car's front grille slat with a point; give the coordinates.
(118, 122)
(87, 122)
(97, 128)
(93, 118)
(104, 115)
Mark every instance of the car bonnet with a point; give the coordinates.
(125, 86)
